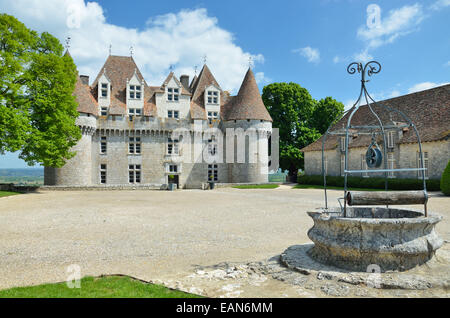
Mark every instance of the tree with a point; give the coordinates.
(327, 111)
(300, 119)
(291, 107)
(445, 180)
(37, 106)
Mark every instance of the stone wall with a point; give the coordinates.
(405, 156)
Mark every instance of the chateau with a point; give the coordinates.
(429, 110)
(127, 131)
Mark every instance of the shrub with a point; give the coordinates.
(445, 180)
(372, 183)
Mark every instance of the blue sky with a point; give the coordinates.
(307, 42)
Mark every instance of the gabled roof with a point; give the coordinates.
(171, 76)
(205, 79)
(86, 102)
(118, 69)
(429, 110)
(248, 103)
(194, 80)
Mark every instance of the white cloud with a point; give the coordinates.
(336, 59)
(362, 57)
(424, 86)
(311, 54)
(262, 79)
(440, 4)
(447, 64)
(398, 22)
(180, 39)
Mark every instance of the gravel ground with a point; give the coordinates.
(157, 235)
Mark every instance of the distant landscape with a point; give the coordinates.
(29, 176)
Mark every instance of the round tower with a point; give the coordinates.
(78, 170)
(252, 126)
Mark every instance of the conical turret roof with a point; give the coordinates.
(248, 103)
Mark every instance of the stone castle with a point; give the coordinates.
(127, 131)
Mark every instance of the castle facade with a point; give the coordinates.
(136, 134)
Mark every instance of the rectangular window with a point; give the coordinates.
(103, 173)
(213, 173)
(173, 94)
(173, 168)
(425, 164)
(213, 97)
(103, 143)
(134, 145)
(391, 164)
(213, 116)
(342, 164)
(390, 139)
(172, 146)
(104, 111)
(134, 173)
(135, 91)
(364, 166)
(173, 114)
(134, 112)
(105, 90)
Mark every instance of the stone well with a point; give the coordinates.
(393, 239)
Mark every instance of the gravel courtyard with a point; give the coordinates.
(157, 236)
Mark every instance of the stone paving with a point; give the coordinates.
(221, 243)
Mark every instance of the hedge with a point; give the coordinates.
(371, 183)
(445, 180)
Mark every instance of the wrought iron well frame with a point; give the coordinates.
(369, 69)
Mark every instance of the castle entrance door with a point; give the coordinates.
(174, 178)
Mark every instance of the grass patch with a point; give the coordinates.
(257, 186)
(97, 287)
(7, 193)
(313, 186)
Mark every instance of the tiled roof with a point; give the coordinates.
(429, 110)
(184, 91)
(248, 103)
(118, 69)
(150, 103)
(205, 79)
(86, 102)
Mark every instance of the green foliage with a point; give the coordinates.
(445, 180)
(257, 186)
(7, 193)
(327, 111)
(92, 287)
(371, 183)
(291, 107)
(300, 119)
(37, 106)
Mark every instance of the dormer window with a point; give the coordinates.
(173, 94)
(104, 90)
(173, 114)
(213, 97)
(134, 112)
(212, 116)
(135, 92)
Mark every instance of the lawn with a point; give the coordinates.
(257, 186)
(313, 186)
(7, 193)
(97, 287)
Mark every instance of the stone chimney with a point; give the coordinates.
(184, 79)
(84, 79)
